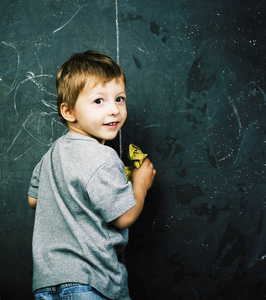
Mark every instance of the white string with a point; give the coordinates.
(117, 31)
(117, 59)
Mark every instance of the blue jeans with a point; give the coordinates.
(68, 291)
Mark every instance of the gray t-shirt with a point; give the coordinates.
(81, 187)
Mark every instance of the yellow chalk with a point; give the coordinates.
(136, 157)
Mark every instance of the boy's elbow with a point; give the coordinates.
(123, 222)
(32, 202)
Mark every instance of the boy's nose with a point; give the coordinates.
(113, 110)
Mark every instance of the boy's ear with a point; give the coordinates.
(67, 113)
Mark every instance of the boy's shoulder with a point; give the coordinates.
(85, 146)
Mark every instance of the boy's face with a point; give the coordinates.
(100, 110)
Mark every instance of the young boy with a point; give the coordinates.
(85, 204)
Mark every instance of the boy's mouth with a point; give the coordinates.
(111, 123)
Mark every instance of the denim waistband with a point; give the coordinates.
(58, 288)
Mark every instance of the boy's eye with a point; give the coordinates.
(120, 99)
(99, 101)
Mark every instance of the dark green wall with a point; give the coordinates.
(196, 105)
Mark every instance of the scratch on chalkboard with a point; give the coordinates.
(255, 261)
(18, 63)
(31, 76)
(236, 114)
(14, 140)
(27, 124)
(50, 105)
(6, 207)
(23, 153)
(259, 5)
(154, 125)
(70, 18)
(32, 121)
(239, 128)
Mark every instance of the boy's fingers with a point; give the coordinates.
(146, 161)
(149, 164)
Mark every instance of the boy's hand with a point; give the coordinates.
(144, 176)
(142, 180)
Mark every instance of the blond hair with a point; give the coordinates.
(75, 72)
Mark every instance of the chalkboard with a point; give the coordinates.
(196, 104)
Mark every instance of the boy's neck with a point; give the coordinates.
(102, 142)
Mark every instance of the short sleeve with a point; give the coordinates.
(34, 183)
(109, 191)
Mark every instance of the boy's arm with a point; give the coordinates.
(32, 202)
(142, 179)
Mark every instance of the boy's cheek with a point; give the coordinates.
(125, 113)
